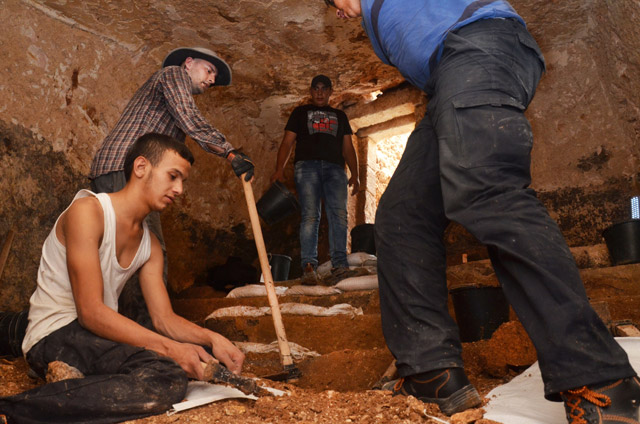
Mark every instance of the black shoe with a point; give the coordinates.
(450, 389)
(607, 403)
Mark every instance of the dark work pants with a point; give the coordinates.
(121, 382)
(468, 161)
(131, 303)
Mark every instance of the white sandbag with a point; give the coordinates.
(364, 282)
(238, 311)
(324, 270)
(358, 258)
(319, 311)
(370, 263)
(285, 308)
(298, 352)
(311, 291)
(373, 270)
(254, 290)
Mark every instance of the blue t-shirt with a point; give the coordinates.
(406, 33)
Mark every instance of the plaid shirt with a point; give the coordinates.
(164, 104)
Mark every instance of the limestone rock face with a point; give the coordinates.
(69, 69)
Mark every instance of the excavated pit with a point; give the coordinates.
(335, 385)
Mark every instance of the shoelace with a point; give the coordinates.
(574, 398)
(398, 385)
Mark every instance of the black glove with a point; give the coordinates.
(241, 163)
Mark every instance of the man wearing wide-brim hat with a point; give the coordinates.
(165, 105)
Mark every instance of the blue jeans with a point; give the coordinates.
(468, 161)
(318, 180)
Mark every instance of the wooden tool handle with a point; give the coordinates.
(283, 344)
(6, 247)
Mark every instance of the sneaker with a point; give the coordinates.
(449, 388)
(343, 272)
(607, 403)
(309, 276)
(338, 274)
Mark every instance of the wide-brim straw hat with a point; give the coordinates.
(178, 56)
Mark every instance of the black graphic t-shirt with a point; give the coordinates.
(319, 133)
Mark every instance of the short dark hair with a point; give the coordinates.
(321, 79)
(330, 3)
(152, 146)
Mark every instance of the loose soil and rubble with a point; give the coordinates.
(349, 355)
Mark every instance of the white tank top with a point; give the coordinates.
(51, 305)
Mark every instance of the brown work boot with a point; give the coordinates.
(613, 402)
(309, 276)
(449, 388)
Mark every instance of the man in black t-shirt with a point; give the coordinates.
(322, 136)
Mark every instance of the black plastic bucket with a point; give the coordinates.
(277, 203)
(362, 239)
(623, 242)
(280, 265)
(479, 311)
(13, 326)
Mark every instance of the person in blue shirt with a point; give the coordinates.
(468, 161)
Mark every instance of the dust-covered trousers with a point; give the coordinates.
(121, 382)
(468, 161)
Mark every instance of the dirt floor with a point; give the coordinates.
(335, 386)
(310, 400)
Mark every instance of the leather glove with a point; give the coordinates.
(241, 164)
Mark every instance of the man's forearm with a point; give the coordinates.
(180, 329)
(284, 152)
(109, 324)
(350, 156)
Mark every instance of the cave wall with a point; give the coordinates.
(37, 184)
(70, 67)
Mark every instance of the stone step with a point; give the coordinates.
(320, 334)
(197, 303)
(618, 287)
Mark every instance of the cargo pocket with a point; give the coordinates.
(527, 40)
(491, 130)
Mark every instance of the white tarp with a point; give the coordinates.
(521, 401)
(201, 393)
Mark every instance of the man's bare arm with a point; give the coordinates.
(167, 322)
(349, 154)
(82, 228)
(288, 140)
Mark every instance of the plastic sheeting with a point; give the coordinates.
(521, 401)
(201, 393)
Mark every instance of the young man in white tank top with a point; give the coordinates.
(95, 246)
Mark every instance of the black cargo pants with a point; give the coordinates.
(121, 382)
(469, 161)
